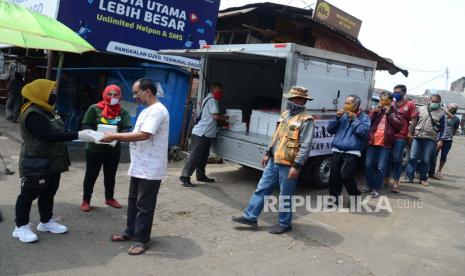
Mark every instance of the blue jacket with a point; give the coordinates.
(350, 135)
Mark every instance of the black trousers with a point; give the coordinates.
(94, 162)
(141, 208)
(343, 167)
(45, 197)
(198, 157)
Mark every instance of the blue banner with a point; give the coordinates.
(113, 25)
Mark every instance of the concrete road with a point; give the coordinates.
(193, 235)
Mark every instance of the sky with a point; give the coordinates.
(422, 36)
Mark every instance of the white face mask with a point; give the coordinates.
(114, 101)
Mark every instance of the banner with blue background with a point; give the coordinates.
(139, 28)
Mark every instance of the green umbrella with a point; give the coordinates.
(24, 28)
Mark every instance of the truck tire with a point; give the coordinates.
(321, 170)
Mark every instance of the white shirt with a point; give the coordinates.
(207, 125)
(149, 158)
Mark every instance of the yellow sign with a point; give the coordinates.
(323, 10)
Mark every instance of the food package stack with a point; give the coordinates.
(235, 115)
(254, 121)
(263, 123)
(235, 120)
(238, 126)
(272, 123)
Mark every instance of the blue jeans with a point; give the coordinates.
(422, 150)
(397, 152)
(273, 175)
(446, 146)
(376, 165)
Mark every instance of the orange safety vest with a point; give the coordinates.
(289, 139)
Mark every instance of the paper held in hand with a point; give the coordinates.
(101, 129)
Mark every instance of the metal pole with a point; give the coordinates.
(59, 70)
(48, 74)
(447, 78)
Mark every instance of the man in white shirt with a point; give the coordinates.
(149, 161)
(202, 135)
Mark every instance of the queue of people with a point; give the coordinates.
(382, 133)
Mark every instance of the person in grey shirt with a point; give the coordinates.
(286, 154)
(202, 135)
(452, 126)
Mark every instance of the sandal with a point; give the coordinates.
(137, 249)
(121, 237)
(395, 190)
(439, 174)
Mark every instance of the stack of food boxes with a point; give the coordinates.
(263, 122)
(235, 120)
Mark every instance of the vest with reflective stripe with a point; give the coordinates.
(286, 138)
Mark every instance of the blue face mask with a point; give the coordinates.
(398, 96)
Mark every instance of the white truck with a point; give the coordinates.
(255, 76)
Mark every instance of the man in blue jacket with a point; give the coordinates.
(350, 128)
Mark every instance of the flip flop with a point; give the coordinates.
(121, 238)
(137, 249)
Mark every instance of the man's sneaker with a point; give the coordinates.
(186, 182)
(25, 234)
(53, 227)
(85, 206)
(278, 229)
(375, 194)
(205, 179)
(113, 203)
(365, 189)
(245, 221)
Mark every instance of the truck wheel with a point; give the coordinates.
(321, 170)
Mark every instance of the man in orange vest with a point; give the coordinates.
(287, 153)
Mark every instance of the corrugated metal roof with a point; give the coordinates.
(294, 13)
(235, 12)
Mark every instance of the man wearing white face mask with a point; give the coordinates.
(107, 112)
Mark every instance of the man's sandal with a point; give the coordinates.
(121, 238)
(137, 249)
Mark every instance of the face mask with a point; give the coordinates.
(114, 101)
(385, 102)
(294, 109)
(434, 105)
(398, 96)
(348, 107)
(217, 94)
(52, 99)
